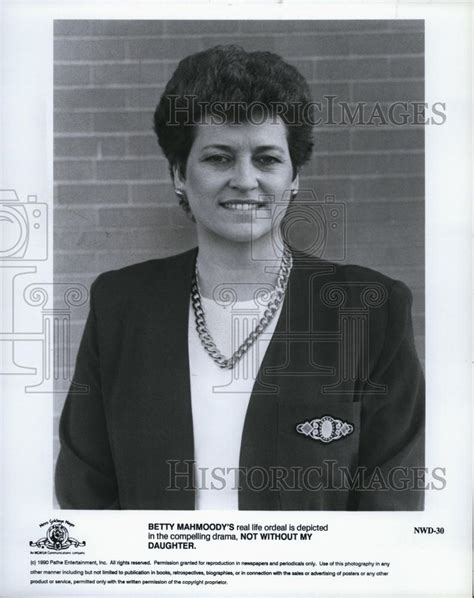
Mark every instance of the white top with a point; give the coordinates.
(220, 397)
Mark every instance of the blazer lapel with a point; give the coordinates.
(291, 374)
(161, 331)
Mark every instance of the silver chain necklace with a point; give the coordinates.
(205, 337)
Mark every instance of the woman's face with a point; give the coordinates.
(239, 179)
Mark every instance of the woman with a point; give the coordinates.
(242, 374)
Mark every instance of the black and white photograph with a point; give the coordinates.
(225, 177)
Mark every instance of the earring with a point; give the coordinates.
(293, 193)
(184, 203)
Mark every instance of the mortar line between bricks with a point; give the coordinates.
(141, 133)
(248, 35)
(151, 251)
(101, 183)
(62, 135)
(149, 111)
(309, 58)
(151, 158)
(108, 229)
(66, 207)
(138, 205)
(63, 252)
(304, 177)
(361, 177)
(117, 228)
(313, 81)
(328, 57)
(97, 183)
(109, 181)
(415, 199)
(96, 110)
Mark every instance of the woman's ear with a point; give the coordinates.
(178, 179)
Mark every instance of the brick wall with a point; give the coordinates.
(114, 204)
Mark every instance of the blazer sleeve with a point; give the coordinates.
(392, 441)
(85, 475)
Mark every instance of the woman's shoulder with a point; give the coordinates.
(352, 278)
(360, 294)
(137, 277)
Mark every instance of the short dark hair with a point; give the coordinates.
(221, 79)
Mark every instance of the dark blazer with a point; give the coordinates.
(343, 347)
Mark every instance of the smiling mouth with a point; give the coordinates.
(243, 205)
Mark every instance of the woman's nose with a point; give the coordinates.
(244, 176)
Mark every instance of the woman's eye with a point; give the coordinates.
(218, 159)
(267, 160)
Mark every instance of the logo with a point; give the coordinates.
(57, 536)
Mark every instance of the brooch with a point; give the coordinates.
(326, 429)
